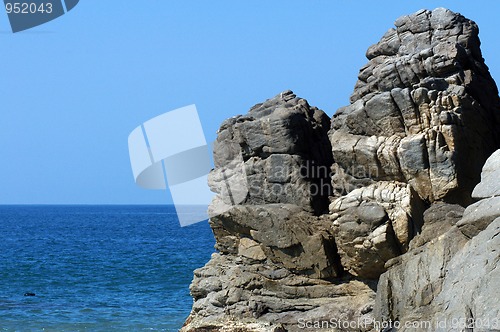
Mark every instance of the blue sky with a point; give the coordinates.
(72, 90)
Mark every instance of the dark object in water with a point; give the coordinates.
(29, 294)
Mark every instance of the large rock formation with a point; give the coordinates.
(277, 259)
(449, 282)
(422, 121)
(328, 206)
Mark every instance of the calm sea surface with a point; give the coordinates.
(97, 268)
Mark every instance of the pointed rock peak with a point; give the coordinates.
(425, 109)
(284, 100)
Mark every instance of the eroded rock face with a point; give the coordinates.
(372, 225)
(284, 145)
(383, 190)
(424, 113)
(450, 272)
(286, 154)
(287, 235)
(278, 258)
(489, 177)
(424, 110)
(230, 290)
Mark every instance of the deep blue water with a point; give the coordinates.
(97, 268)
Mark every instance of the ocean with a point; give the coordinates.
(97, 268)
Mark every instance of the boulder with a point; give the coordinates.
(284, 146)
(374, 224)
(488, 187)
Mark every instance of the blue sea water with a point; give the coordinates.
(97, 268)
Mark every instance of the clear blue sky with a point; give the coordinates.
(73, 89)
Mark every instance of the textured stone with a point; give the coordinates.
(378, 192)
(438, 219)
(425, 111)
(476, 269)
(490, 176)
(450, 279)
(479, 215)
(251, 249)
(374, 224)
(288, 236)
(285, 150)
(253, 296)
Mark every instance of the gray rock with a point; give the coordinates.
(479, 215)
(289, 237)
(373, 225)
(246, 299)
(286, 153)
(490, 178)
(438, 219)
(449, 280)
(375, 193)
(417, 103)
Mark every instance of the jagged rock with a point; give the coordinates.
(287, 235)
(269, 297)
(425, 110)
(285, 149)
(438, 219)
(489, 178)
(373, 224)
(425, 113)
(450, 272)
(379, 189)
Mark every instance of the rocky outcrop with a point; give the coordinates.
(277, 260)
(285, 149)
(447, 283)
(423, 119)
(231, 289)
(382, 193)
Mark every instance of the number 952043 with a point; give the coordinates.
(28, 8)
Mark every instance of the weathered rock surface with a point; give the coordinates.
(230, 290)
(287, 235)
(447, 279)
(380, 193)
(285, 148)
(438, 219)
(371, 226)
(278, 258)
(479, 215)
(489, 178)
(424, 113)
